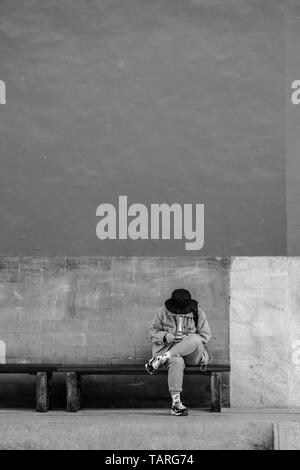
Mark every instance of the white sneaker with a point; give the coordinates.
(178, 409)
(154, 364)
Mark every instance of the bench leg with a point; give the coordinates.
(215, 382)
(42, 392)
(73, 391)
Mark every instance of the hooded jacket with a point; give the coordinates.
(167, 322)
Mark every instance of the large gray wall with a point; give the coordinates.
(161, 100)
(292, 38)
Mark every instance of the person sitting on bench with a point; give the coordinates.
(179, 333)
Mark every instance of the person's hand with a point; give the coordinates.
(178, 338)
(170, 338)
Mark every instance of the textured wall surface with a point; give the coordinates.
(161, 100)
(264, 328)
(84, 309)
(99, 309)
(292, 120)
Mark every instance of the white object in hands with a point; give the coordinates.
(179, 335)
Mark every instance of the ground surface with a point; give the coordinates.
(149, 429)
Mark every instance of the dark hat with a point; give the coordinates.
(181, 302)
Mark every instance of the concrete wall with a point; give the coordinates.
(161, 100)
(99, 309)
(292, 123)
(84, 309)
(265, 332)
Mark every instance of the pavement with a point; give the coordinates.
(153, 429)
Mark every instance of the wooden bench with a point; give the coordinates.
(44, 373)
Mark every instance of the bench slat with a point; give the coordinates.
(101, 369)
